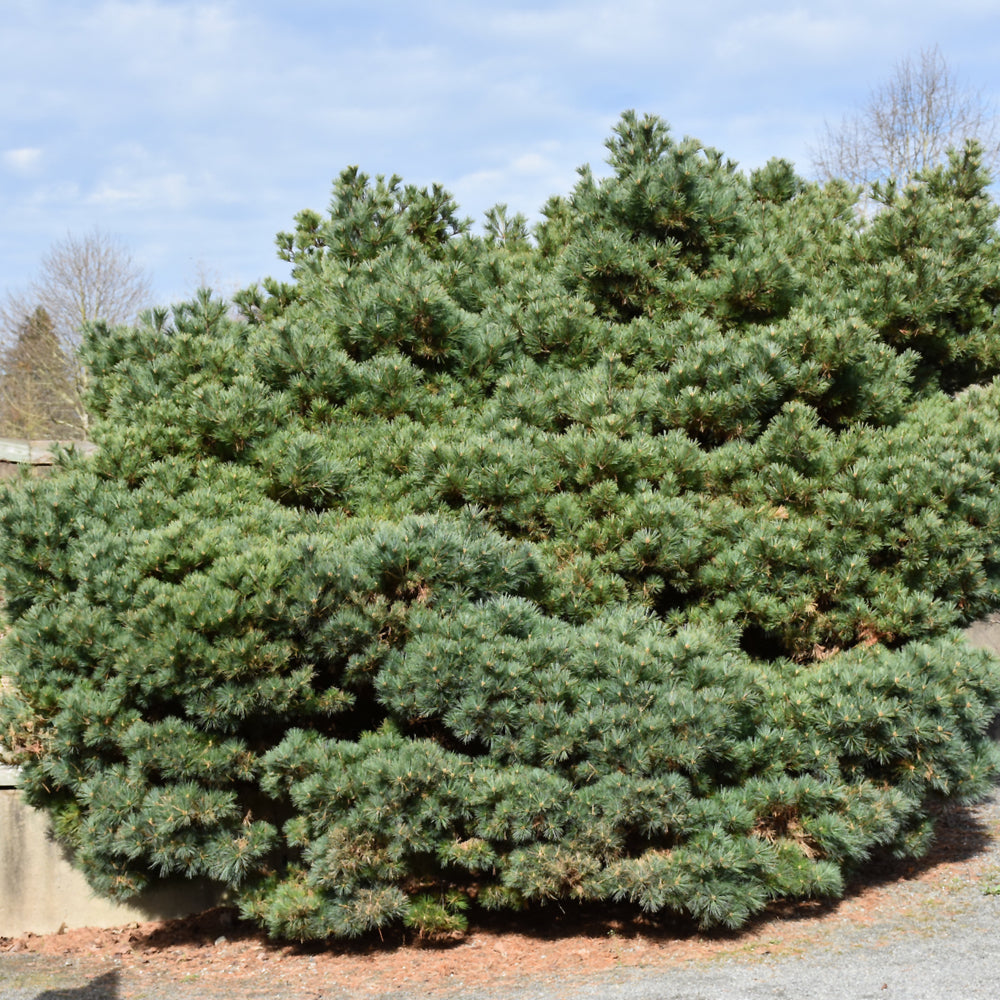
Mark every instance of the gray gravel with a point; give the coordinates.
(960, 960)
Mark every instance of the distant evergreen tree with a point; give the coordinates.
(618, 563)
(38, 396)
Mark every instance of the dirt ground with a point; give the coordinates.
(215, 955)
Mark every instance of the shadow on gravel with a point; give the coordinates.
(102, 988)
(959, 836)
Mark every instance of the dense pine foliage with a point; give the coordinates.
(618, 560)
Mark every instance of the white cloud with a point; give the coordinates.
(156, 38)
(135, 176)
(595, 28)
(524, 181)
(799, 33)
(22, 161)
(60, 193)
(153, 192)
(531, 163)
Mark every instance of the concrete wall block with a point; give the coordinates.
(41, 892)
(985, 634)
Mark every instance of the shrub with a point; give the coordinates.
(621, 563)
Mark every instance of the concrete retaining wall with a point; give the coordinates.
(37, 455)
(41, 892)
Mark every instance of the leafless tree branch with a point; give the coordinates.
(42, 383)
(908, 124)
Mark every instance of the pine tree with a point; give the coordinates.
(38, 393)
(928, 272)
(467, 572)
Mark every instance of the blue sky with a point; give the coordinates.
(194, 131)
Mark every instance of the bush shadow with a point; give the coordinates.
(104, 987)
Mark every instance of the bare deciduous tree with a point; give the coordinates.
(81, 279)
(909, 123)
